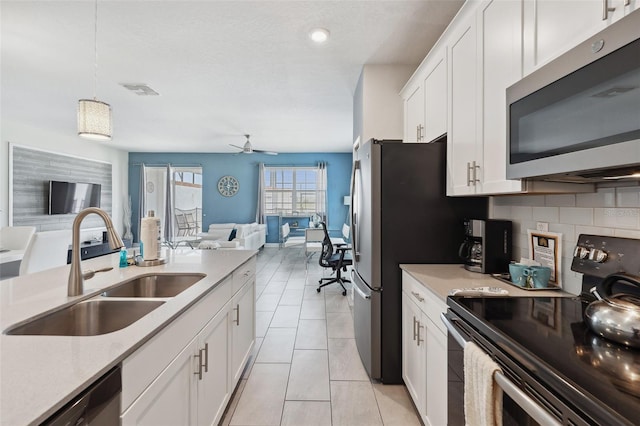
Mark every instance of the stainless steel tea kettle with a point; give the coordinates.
(615, 317)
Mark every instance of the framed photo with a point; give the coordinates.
(546, 249)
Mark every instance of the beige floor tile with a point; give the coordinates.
(277, 345)
(275, 287)
(353, 404)
(309, 376)
(281, 275)
(313, 309)
(340, 325)
(286, 316)
(258, 406)
(306, 413)
(291, 297)
(395, 405)
(312, 334)
(310, 292)
(231, 407)
(344, 361)
(336, 302)
(296, 283)
(263, 319)
(267, 302)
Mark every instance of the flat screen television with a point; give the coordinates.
(71, 197)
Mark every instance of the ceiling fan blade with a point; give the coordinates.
(236, 146)
(265, 152)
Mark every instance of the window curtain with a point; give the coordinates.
(321, 191)
(260, 217)
(142, 198)
(169, 206)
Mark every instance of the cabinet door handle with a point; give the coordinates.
(418, 334)
(468, 174)
(476, 167)
(418, 133)
(417, 296)
(414, 328)
(237, 309)
(627, 2)
(606, 9)
(199, 372)
(206, 357)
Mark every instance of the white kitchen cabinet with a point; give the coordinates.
(464, 158)
(414, 114)
(214, 387)
(552, 27)
(243, 328)
(424, 351)
(171, 398)
(187, 372)
(414, 372)
(499, 66)
(435, 96)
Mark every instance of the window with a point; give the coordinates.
(295, 191)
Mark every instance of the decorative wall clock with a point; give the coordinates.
(228, 186)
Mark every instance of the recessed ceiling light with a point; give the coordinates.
(319, 35)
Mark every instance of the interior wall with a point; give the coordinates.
(609, 211)
(30, 135)
(241, 208)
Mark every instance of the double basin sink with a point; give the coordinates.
(101, 315)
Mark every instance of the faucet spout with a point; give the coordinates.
(76, 281)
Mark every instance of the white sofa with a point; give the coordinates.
(249, 236)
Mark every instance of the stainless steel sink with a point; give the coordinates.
(88, 318)
(155, 285)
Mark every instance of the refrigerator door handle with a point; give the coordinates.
(354, 224)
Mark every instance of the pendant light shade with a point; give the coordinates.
(94, 119)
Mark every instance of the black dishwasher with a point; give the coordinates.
(97, 405)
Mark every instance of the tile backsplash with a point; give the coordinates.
(608, 211)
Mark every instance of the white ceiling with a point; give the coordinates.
(222, 68)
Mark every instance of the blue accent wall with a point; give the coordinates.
(241, 208)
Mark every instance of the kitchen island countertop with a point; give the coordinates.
(39, 374)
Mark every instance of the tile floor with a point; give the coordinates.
(306, 369)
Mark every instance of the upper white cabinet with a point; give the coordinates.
(464, 155)
(435, 97)
(552, 27)
(414, 115)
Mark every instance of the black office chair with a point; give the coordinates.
(337, 260)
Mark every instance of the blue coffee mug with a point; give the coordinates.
(516, 270)
(541, 276)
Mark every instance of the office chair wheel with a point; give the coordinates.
(318, 289)
(344, 292)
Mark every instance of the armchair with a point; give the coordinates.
(335, 258)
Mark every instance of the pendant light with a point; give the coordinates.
(94, 116)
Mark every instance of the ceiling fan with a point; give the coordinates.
(248, 149)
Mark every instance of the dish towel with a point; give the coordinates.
(482, 396)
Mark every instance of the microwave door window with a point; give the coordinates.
(597, 105)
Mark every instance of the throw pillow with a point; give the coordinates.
(233, 234)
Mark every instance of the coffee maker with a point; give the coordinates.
(487, 245)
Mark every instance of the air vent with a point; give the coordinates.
(140, 89)
(614, 91)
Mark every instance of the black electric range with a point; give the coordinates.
(593, 379)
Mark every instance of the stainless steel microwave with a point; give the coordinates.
(577, 118)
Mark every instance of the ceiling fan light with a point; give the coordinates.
(94, 119)
(319, 35)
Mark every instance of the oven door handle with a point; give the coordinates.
(531, 407)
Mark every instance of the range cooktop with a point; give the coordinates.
(547, 336)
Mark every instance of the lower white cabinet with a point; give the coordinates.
(213, 340)
(424, 351)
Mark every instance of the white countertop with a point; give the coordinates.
(39, 374)
(441, 279)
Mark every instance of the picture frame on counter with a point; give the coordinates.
(546, 249)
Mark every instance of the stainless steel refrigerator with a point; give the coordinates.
(400, 214)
